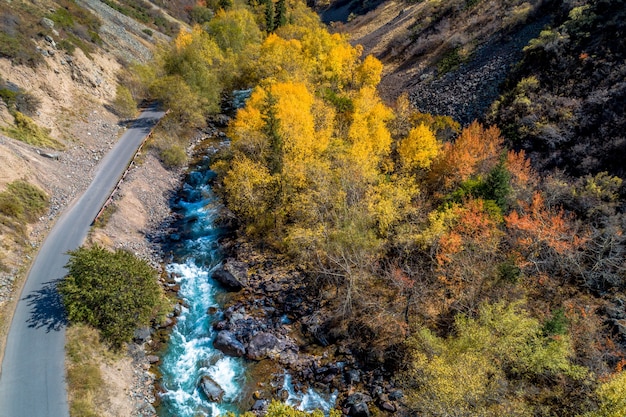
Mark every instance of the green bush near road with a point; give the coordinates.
(21, 203)
(115, 292)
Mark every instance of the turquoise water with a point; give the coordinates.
(190, 354)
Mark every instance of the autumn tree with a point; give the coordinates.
(482, 368)
(419, 148)
(547, 239)
(475, 151)
(467, 254)
(612, 397)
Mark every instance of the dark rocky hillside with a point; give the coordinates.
(565, 104)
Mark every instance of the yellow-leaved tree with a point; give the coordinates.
(369, 140)
(612, 397)
(419, 148)
(476, 371)
(277, 130)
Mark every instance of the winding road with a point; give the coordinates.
(32, 378)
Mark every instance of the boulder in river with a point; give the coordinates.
(261, 345)
(238, 269)
(227, 280)
(211, 389)
(228, 344)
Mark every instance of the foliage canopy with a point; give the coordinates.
(115, 292)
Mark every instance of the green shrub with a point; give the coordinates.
(18, 99)
(115, 292)
(19, 50)
(79, 27)
(23, 201)
(124, 105)
(84, 378)
(278, 409)
(31, 198)
(450, 61)
(11, 207)
(200, 14)
(557, 323)
(8, 96)
(174, 156)
(509, 271)
(28, 131)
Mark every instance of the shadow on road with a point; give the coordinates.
(47, 309)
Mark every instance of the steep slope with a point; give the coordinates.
(565, 104)
(448, 56)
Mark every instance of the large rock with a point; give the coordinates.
(238, 269)
(359, 410)
(227, 280)
(211, 389)
(356, 405)
(142, 334)
(261, 345)
(228, 343)
(47, 23)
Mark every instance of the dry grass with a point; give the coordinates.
(86, 385)
(7, 309)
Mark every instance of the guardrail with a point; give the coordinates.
(128, 167)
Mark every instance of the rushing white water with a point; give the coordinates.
(310, 399)
(190, 354)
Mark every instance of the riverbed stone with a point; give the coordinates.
(260, 405)
(226, 342)
(238, 269)
(395, 395)
(387, 406)
(211, 389)
(261, 345)
(359, 410)
(227, 280)
(142, 334)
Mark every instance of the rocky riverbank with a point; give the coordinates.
(272, 318)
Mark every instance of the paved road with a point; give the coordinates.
(32, 379)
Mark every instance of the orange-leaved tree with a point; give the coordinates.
(547, 239)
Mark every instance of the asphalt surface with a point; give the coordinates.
(32, 378)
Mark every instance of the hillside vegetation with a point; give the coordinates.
(432, 250)
(565, 104)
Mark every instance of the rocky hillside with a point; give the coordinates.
(59, 66)
(449, 56)
(565, 104)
